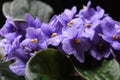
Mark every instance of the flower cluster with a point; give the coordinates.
(74, 34)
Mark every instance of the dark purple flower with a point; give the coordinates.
(100, 48)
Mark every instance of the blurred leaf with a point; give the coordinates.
(41, 10)
(6, 9)
(6, 74)
(1, 53)
(18, 8)
(50, 65)
(107, 69)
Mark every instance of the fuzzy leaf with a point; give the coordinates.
(50, 65)
(18, 8)
(107, 69)
(6, 9)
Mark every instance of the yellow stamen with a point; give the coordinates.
(84, 6)
(88, 25)
(34, 40)
(115, 36)
(53, 35)
(78, 41)
(70, 23)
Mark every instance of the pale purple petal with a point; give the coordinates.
(108, 26)
(29, 44)
(37, 23)
(43, 45)
(55, 41)
(70, 32)
(31, 32)
(18, 67)
(11, 36)
(74, 10)
(67, 47)
(29, 19)
(116, 45)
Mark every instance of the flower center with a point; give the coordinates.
(53, 35)
(70, 23)
(115, 36)
(69, 15)
(76, 40)
(84, 6)
(88, 25)
(23, 46)
(34, 40)
(100, 46)
(14, 29)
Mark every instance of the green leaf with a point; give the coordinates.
(107, 69)
(18, 8)
(41, 10)
(50, 65)
(6, 74)
(6, 9)
(1, 51)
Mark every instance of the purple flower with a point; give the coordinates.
(100, 48)
(34, 41)
(21, 58)
(53, 31)
(76, 22)
(91, 19)
(110, 34)
(90, 30)
(12, 29)
(70, 13)
(76, 44)
(13, 51)
(67, 15)
(91, 14)
(21, 38)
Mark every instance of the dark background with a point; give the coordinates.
(111, 6)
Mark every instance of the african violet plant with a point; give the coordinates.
(70, 46)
